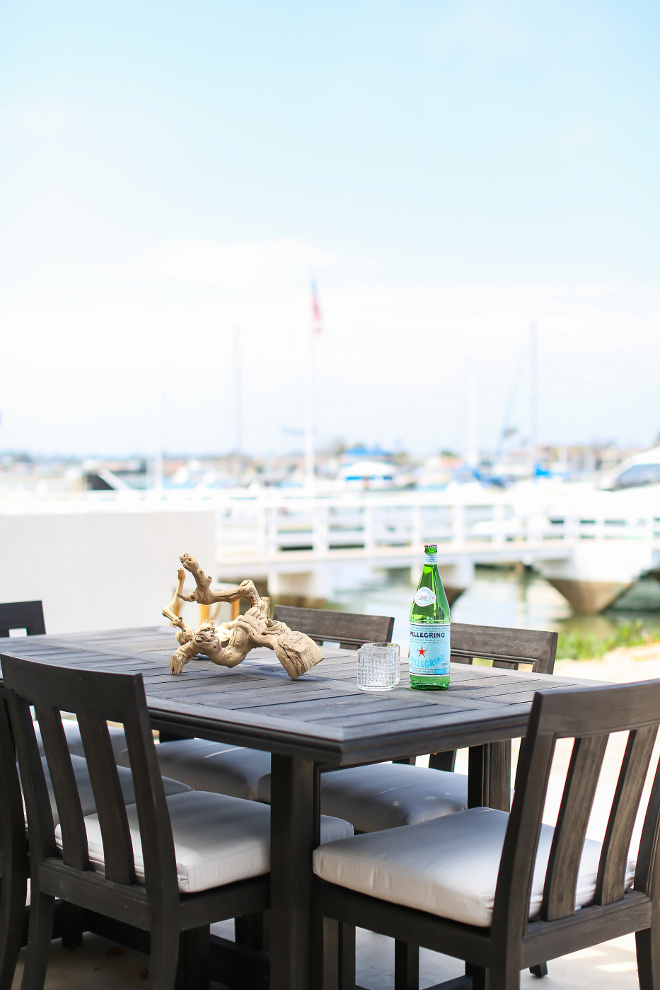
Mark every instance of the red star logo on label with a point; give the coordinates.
(422, 651)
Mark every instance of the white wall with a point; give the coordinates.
(100, 567)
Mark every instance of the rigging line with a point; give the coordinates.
(513, 395)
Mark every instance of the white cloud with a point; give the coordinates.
(233, 265)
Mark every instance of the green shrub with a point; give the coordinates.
(578, 645)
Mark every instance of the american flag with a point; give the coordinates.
(316, 309)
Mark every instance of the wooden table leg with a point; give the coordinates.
(489, 776)
(294, 827)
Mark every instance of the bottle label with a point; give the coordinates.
(429, 649)
(424, 597)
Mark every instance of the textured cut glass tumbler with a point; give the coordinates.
(378, 666)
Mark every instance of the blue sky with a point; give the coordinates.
(449, 170)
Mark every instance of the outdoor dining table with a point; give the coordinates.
(319, 721)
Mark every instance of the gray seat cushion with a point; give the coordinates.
(86, 793)
(447, 867)
(208, 766)
(217, 839)
(371, 798)
(73, 737)
(387, 795)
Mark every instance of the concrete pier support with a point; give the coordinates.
(589, 597)
(597, 573)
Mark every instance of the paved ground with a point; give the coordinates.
(98, 965)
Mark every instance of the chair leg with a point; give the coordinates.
(164, 957)
(648, 959)
(333, 965)
(406, 966)
(72, 926)
(193, 968)
(346, 957)
(478, 976)
(13, 889)
(505, 977)
(249, 930)
(40, 933)
(541, 970)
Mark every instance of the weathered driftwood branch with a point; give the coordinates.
(229, 643)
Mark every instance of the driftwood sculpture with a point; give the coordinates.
(229, 644)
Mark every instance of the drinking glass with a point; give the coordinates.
(378, 666)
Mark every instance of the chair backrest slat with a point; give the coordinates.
(65, 789)
(108, 798)
(589, 716)
(647, 869)
(616, 846)
(22, 615)
(349, 629)
(506, 647)
(13, 846)
(571, 829)
(33, 779)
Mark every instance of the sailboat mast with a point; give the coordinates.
(310, 391)
(533, 395)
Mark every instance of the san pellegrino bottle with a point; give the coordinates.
(429, 629)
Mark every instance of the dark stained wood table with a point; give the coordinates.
(319, 721)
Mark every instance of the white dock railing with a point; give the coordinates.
(275, 528)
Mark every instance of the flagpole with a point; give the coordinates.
(310, 392)
(310, 426)
(238, 393)
(472, 457)
(157, 469)
(533, 396)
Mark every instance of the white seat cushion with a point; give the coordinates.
(74, 739)
(387, 795)
(86, 793)
(447, 867)
(217, 839)
(208, 766)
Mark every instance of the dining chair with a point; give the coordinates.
(507, 648)
(384, 796)
(503, 891)
(22, 615)
(350, 629)
(30, 616)
(167, 865)
(13, 844)
(14, 849)
(13, 856)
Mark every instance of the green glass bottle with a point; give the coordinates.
(429, 629)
